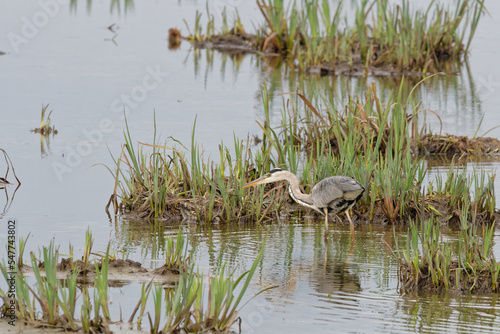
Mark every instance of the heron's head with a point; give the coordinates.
(276, 174)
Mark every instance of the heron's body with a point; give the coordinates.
(332, 195)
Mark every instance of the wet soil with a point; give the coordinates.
(230, 43)
(243, 43)
(41, 327)
(448, 216)
(382, 215)
(124, 266)
(177, 209)
(22, 327)
(169, 270)
(445, 145)
(119, 271)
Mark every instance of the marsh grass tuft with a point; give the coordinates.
(176, 255)
(46, 128)
(375, 142)
(383, 39)
(155, 181)
(467, 265)
(50, 300)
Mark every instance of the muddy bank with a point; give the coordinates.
(458, 145)
(119, 271)
(447, 145)
(242, 43)
(22, 326)
(438, 208)
(479, 282)
(435, 206)
(250, 44)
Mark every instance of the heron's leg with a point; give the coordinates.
(350, 222)
(325, 210)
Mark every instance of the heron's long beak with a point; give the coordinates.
(255, 182)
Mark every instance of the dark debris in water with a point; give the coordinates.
(358, 69)
(174, 38)
(45, 131)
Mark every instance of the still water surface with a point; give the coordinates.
(87, 73)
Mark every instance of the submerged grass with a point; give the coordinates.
(383, 39)
(161, 184)
(50, 300)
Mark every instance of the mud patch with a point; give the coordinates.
(177, 209)
(120, 272)
(169, 270)
(439, 206)
(434, 207)
(447, 145)
(245, 43)
(242, 43)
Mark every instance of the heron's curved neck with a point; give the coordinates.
(296, 193)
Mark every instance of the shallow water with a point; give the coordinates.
(86, 71)
(340, 291)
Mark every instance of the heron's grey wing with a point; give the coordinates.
(351, 188)
(326, 191)
(335, 187)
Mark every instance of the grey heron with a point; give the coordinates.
(334, 195)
